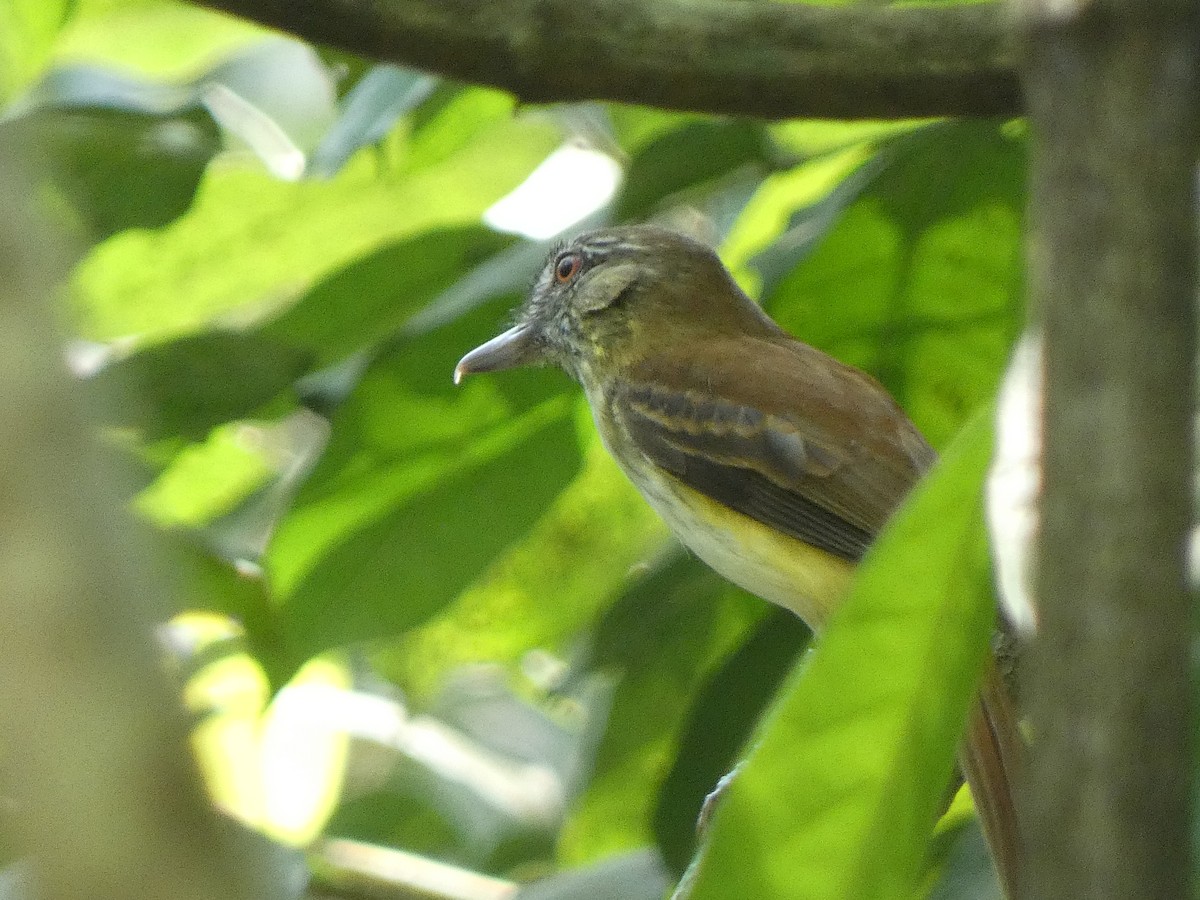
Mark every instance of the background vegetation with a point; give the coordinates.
(411, 617)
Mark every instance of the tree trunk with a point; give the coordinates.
(1112, 91)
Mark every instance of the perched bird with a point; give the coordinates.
(773, 462)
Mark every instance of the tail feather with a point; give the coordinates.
(991, 757)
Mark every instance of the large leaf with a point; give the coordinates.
(187, 387)
(369, 299)
(920, 280)
(553, 584)
(842, 789)
(158, 38)
(274, 240)
(665, 637)
(423, 484)
(27, 32)
(113, 169)
(687, 158)
(398, 569)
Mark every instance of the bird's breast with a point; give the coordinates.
(754, 556)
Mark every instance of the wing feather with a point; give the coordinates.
(829, 478)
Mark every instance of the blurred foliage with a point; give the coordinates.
(505, 664)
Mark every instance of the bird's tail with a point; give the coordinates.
(991, 758)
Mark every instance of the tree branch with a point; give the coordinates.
(750, 58)
(1112, 89)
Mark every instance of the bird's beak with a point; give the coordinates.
(516, 347)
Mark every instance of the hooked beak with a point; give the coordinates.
(515, 347)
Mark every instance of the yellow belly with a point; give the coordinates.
(757, 558)
(808, 581)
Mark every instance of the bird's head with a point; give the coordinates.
(609, 297)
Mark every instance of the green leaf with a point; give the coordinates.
(400, 568)
(369, 299)
(205, 481)
(275, 240)
(580, 553)
(686, 158)
(452, 117)
(110, 170)
(665, 636)
(920, 282)
(187, 387)
(28, 29)
(159, 38)
(841, 791)
(811, 137)
(809, 225)
(722, 714)
(422, 486)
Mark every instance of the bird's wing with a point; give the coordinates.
(798, 442)
(789, 437)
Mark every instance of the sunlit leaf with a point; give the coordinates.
(809, 137)
(159, 38)
(204, 480)
(421, 487)
(276, 765)
(802, 190)
(842, 789)
(810, 224)
(27, 32)
(920, 282)
(451, 118)
(275, 240)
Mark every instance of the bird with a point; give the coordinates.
(773, 462)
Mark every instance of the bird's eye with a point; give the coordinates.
(567, 267)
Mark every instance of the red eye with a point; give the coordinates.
(567, 267)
